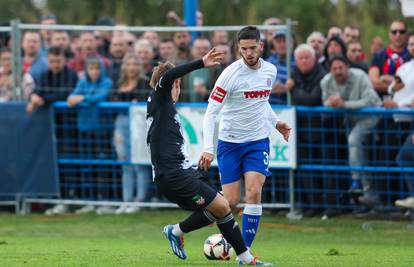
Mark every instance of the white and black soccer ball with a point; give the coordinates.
(217, 248)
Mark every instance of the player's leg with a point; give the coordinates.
(252, 211)
(255, 169)
(230, 230)
(231, 192)
(191, 193)
(208, 206)
(182, 189)
(230, 168)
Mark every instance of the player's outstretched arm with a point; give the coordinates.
(211, 59)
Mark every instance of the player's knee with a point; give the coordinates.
(253, 195)
(221, 208)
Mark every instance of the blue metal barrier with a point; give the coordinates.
(90, 167)
(326, 147)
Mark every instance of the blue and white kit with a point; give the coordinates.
(241, 96)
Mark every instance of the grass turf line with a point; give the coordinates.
(136, 240)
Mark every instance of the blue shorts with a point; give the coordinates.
(235, 159)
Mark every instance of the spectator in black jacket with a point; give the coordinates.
(55, 84)
(306, 78)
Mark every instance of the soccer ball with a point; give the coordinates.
(217, 248)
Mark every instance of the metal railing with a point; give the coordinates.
(322, 178)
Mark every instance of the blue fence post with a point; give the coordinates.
(190, 14)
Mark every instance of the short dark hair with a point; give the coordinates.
(56, 50)
(248, 32)
(399, 21)
(338, 57)
(167, 40)
(353, 42)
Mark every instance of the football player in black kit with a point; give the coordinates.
(175, 176)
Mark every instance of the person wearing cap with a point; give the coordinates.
(350, 88)
(279, 60)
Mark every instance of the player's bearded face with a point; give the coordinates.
(250, 50)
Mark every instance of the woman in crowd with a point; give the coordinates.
(133, 86)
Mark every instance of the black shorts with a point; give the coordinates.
(188, 188)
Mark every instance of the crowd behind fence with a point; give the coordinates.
(348, 157)
(322, 178)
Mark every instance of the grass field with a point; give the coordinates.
(136, 240)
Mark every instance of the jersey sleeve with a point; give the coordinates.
(209, 125)
(222, 89)
(271, 116)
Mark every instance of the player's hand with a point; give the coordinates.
(213, 58)
(205, 161)
(284, 129)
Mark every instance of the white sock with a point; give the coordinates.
(177, 231)
(246, 257)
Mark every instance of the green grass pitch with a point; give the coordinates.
(136, 240)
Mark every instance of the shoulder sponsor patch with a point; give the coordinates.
(218, 94)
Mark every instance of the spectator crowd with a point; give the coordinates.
(329, 70)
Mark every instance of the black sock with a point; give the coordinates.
(197, 220)
(231, 232)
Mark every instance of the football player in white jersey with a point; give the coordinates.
(241, 93)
